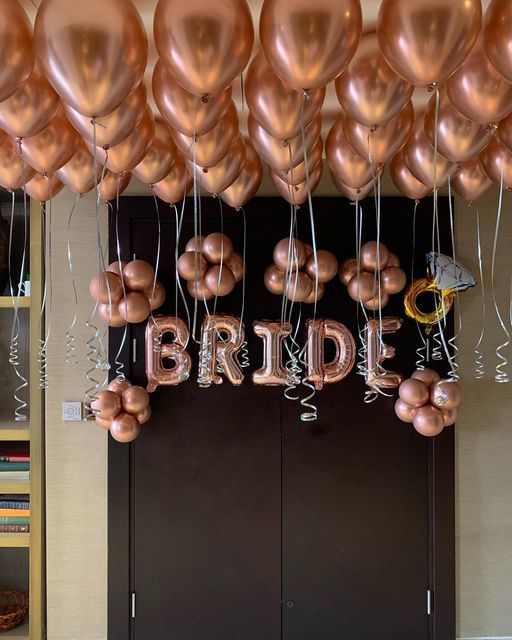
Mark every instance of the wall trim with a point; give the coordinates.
(485, 638)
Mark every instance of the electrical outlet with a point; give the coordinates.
(71, 411)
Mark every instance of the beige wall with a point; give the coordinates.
(77, 455)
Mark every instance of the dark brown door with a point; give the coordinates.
(231, 519)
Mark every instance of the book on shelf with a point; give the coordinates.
(8, 466)
(14, 520)
(14, 512)
(10, 502)
(14, 454)
(14, 528)
(15, 476)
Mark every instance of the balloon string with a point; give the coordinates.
(178, 286)
(479, 356)
(221, 265)
(244, 351)
(71, 357)
(118, 364)
(422, 349)
(196, 235)
(501, 375)
(453, 374)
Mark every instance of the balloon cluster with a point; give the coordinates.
(377, 265)
(295, 271)
(210, 266)
(122, 409)
(428, 402)
(126, 298)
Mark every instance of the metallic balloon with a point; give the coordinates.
(156, 296)
(382, 143)
(217, 247)
(204, 45)
(320, 372)
(504, 132)
(184, 111)
(222, 337)
(43, 187)
(414, 391)
(458, 138)
(393, 260)
(496, 161)
(209, 148)
(109, 313)
(138, 275)
(349, 192)
(432, 169)
(299, 287)
(317, 293)
(348, 269)
(478, 91)
(197, 289)
(144, 416)
(428, 376)
(450, 416)
(278, 108)
(273, 372)
(297, 194)
(94, 53)
(14, 169)
(112, 184)
(160, 156)
(290, 254)
(428, 421)
(125, 427)
(425, 42)
(119, 385)
(404, 181)
(192, 265)
(471, 181)
(378, 352)
(379, 301)
(392, 280)
(220, 176)
(219, 280)
(195, 244)
(106, 405)
(157, 351)
(175, 186)
(446, 394)
(134, 308)
(117, 266)
(235, 264)
(374, 256)
(404, 411)
(369, 91)
(362, 287)
(248, 182)
(307, 45)
(106, 287)
(444, 299)
(79, 174)
(16, 47)
(498, 37)
(347, 165)
(274, 279)
(326, 266)
(113, 127)
(296, 175)
(135, 399)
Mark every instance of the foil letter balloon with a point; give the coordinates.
(272, 373)
(319, 372)
(222, 337)
(377, 351)
(156, 352)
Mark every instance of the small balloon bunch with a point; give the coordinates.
(121, 409)
(131, 302)
(296, 270)
(429, 403)
(210, 266)
(377, 264)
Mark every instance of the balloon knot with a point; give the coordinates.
(205, 169)
(204, 98)
(373, 129)
(432, 87)
(307, 94)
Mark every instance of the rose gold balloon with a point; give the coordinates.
(78, 174)
(362, 287)
(175, 186)
(496, 161)
(424, 42)
(446, 394)
(458, 138)
(114, 127)
(109, 313)
(498, 37)
(112, 184)
(197, 289)
(16, 48)
(144, 416)
(374, 256)
(195, 244)
(504, 132)
(414, 391)
(217, 247)
(106, 405)
(184, 111)
(114, 267)
(404, 411)
(222, 337)
(248, 182)
(104, 424)
(392, 280)
(236, 265)
(173, 349)
(428, 421)
(192, 265)
(404, 181)
(393, 260)
(53, 146)
(478, 91)
(43, 187)
(348, 269)
(347, 165)
(125, 427)
(106, 287)
(349, 192)
(160, 157)
(280, 155)
(135, 399)
(219, 280)
(31, 108)
(156, 297)
(315, 295)
(205, 46)
(138, 275)
(297, 194)
(14, 171)
(319, 371)
(428, 376)
(210, 147)
(135, 307)
(290, 255)
(470, 181)
(296, 175)
(274, 279)
(307, 45)
(369, 91)
(450, 416)
(385, 141)
(326, 266)
(276, 106)
(94, 53)
(299, 287)
(421, 160)
(272, 373)
(377, 302)
(119, 385)
(221, 175)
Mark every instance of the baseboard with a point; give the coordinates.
(485, 638)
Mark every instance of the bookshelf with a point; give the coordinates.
(32, 432)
